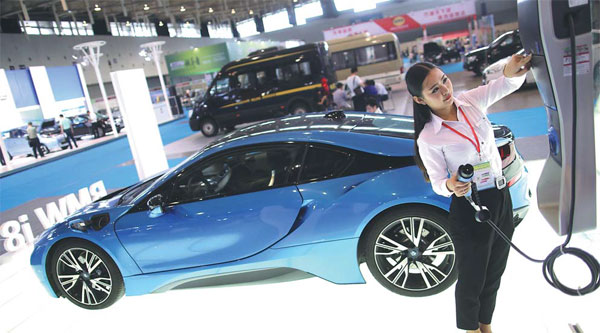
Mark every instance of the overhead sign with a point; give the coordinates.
(404, 22)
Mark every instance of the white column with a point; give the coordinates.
(162, 83)
(105, 100)
(86, 93)
(43, 90)
(137, 111)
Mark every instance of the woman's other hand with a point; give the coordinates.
(457, 187)
(517, 65)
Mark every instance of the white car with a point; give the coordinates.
(494, 71)
(17, 144)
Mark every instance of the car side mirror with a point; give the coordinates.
(156, 205)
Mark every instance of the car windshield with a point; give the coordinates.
(131, 193)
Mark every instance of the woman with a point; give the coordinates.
(451, 131)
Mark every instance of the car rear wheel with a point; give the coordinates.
(411, 252)
(84, 274)
(209, 127)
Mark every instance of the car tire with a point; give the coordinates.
(44, 149)
(209, 127)
(101, 132)
(90, 290)
(480, 68)
(299, 108)
(424, 269)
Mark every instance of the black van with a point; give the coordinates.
(263, 86)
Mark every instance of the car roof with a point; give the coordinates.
(390, 135)
(270, 54)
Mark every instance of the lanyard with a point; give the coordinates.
(474, 143)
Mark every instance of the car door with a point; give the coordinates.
(227, 207)
(79, 125)
(222, 99)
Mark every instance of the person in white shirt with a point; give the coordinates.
(339, 97)
(451, 131)
(372, 106)
(382, 92)
(355, 85)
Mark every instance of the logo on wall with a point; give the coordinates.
(17, 234)
(399, 20)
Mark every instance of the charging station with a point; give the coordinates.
(568, 180)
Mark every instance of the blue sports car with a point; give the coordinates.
(313, 194)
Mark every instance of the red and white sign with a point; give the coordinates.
(412, 20)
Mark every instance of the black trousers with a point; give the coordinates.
(36, 147)
(70, 138)
(481, 256)
(359, 103)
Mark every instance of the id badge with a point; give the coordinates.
(482, 176)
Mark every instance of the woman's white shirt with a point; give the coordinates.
(443, 151)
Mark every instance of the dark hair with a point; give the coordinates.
(339, 85)
(372, 101)
(422, 113)
(30, 123)
(61, 116)
(370, 82)
(353, 70)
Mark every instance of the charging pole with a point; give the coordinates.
(570, 169)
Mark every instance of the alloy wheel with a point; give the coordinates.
(414, 254)
(83, 276)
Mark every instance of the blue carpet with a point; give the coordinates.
(524, 122)
(69, 174)
(452, 68)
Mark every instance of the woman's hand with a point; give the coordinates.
(517, 65)
(459, 188)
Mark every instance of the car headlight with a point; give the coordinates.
(471, 58)
(44, 135)
(438, 56)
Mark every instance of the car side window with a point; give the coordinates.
(235, 173)
(507, 41)
(324, 163)
(243, 81)
(221, 86)
(293, 73)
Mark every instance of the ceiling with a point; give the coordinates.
(134, 10)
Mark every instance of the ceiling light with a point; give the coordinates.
(182, 9)
(160, 24)
(96, 8)
(84, 23)
(210, 10)
(295, 0)
(127, 24)
(187, 23)
(209, 23)
(251, 12)
(232, 11)
(146, 6)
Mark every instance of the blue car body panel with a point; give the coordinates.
(314, 227)
(209, 232)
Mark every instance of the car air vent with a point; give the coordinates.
(335, 115)
(99, 221)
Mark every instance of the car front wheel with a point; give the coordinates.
(85, 275)
(209, 127)
(45, 149)
(411, 252)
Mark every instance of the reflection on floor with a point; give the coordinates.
(526, 303)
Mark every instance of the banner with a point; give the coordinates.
(197, 61)
(409, 21)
